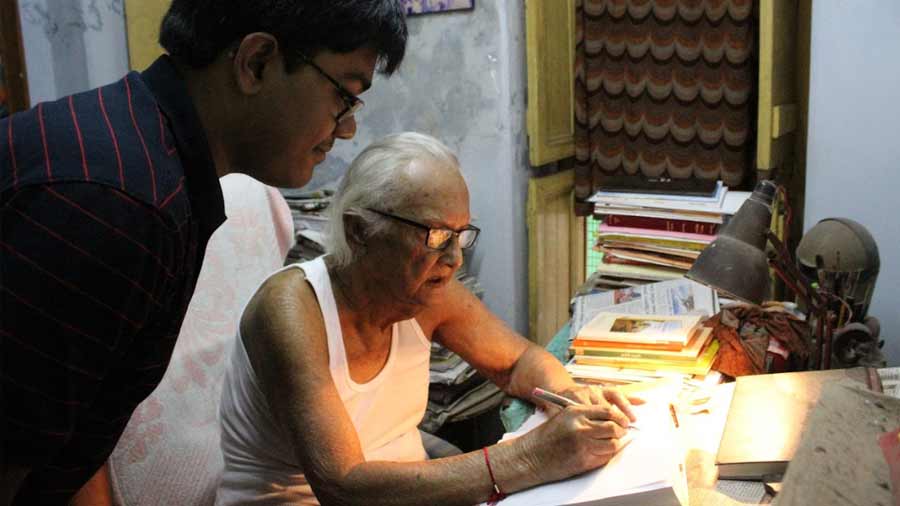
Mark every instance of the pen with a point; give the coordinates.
(561, 401)
(674, 415)
(557, 399)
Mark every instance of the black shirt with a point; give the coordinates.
(107, 201)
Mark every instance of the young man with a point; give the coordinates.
(108, 198)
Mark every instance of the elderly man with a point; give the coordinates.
(329, 377)
(108, 199)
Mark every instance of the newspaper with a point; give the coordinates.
(673, 297)
(890, 381)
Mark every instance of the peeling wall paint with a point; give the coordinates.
(72, 45)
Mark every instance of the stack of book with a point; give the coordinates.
(310, 222)
(655, 236)
(661, 344)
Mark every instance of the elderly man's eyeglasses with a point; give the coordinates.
(439, 238)
(352, 103)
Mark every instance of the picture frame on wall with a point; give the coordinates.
(416, 7)
(13, 82)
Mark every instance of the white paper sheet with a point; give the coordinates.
(648, 468)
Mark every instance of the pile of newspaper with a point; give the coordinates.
(307, 209)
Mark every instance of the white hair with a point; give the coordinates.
(375, 179)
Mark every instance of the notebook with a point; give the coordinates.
(649, 470)
(766, 417)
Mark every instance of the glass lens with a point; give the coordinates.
(467, 238)
(438, 237)
(350, 111)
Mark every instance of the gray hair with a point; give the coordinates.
(376, 179)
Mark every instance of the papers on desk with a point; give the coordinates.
(890, 381)
(650, 470)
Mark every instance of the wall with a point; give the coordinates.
(463, 81)
(72, 45)
(853, 164)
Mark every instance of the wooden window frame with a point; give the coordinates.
(12, 49)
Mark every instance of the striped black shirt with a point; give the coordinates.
(107, 201)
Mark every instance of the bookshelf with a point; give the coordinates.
(13, 81)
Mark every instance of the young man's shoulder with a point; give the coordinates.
(114, 135)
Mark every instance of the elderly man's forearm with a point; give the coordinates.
(537, 368)
(461, 479)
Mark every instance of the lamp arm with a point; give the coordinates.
(814, 299)
(789, 273)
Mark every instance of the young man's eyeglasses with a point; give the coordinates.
(352, 102)
(439, 238)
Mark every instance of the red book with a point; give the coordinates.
(668, 224)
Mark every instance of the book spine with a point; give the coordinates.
(612, 259)
(670, 225)
(667, 224)
(629, 355)
(597, 343)
(603, 239)
(642, 364)
(701, 366)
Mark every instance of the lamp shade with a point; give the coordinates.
(843, 256)
(735, 263)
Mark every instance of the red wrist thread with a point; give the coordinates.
(497, 494)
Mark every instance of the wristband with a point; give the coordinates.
(497, 495)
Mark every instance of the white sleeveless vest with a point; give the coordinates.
(260, 464)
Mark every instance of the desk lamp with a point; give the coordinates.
(842, 257)
(737, 264)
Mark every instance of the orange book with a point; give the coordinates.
(699, 341)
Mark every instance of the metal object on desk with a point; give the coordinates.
(833, 278)
(858, 344)
(843, 255)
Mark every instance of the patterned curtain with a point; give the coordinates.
(664, 88)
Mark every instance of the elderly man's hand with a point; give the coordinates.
(603, 397)
(579, 438)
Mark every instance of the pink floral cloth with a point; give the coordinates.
(169, 453)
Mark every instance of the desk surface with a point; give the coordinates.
(701, 434)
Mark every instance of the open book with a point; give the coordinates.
(649, 470)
